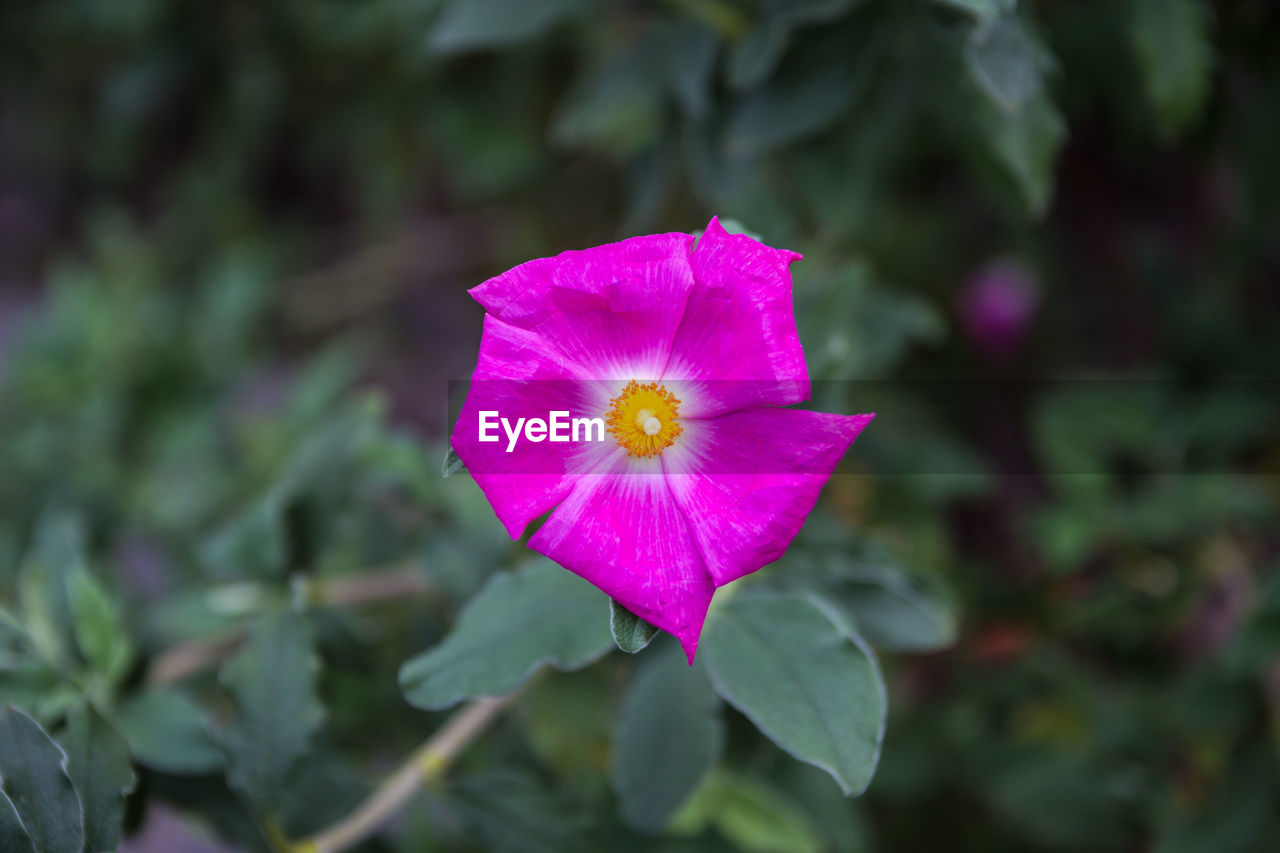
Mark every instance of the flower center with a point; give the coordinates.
(644, 418)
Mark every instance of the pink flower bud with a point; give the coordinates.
(997, 306)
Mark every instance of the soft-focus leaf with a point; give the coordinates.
(756, 55)
(273, 679)
(100, 634)
(668, 735)
(46, 610)
(803, 677)
(34, 778)
(478, 24)
(37, 689)
(982, 10)
(98, 764)
(803, 99)
(1025, 144)
(893, 612)
(616, 107)
(891, 608)
(253, 543)
(513, 814)
(630, 632)
(753, 814)
(854, 329)
(690, 50)
(1007, 62)
(1231, 819)
(1175, 58)
(568, 722)
(168, 732)
(317, 470)
(519, 621)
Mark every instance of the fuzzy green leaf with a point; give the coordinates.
(630, 632)
(98, 764)
(100, 634)
(168, 732)
(478, 24)
(274, 682)
(792, 664)
(33, 776)
(517, 622)
(668, 735)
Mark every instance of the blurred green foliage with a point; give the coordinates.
(233, 243)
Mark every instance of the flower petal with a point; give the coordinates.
(750, 478)
(624, 532)
(613, 309)
(517, 377)
(737, 345)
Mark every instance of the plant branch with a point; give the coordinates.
(426, 765)
(187, 659)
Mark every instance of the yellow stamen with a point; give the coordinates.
(644, 418)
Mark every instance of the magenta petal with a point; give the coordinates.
(750, 478)
(737, 345)
(518, 377)
(612, 309)
(625, 533)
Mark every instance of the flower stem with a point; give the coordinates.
(426, 765)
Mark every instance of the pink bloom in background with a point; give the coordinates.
(997, 306)
(686, 353)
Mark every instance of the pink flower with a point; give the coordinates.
(685, 354)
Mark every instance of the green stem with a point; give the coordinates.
(426, 765)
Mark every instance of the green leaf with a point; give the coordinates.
(802, 100)
(58, 548)
(518, 622)
(13, 838)
(1170, 41)
(252, 543)
(479, 24)
(273, 680)
(982, 10)
(791, 663)
(855, 329)
(630, 632)
(14, 642)
(668, 735)
(317, 472)
(616, 107)
(451, 465)
(512, 812)
(1007, 63)
(753, 814)
(100, 633)
(758, 54)
(1025, 145)
(568, 721)
(690, 49)
(893, 611)
(34, 777)
(98, 764)
(45, 614)
(167, 732)
(891, 608)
